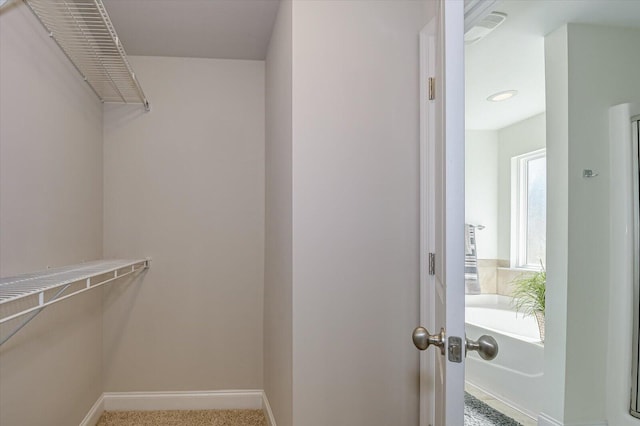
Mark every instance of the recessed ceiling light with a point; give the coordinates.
(502, 96)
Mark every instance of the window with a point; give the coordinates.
(528, 210)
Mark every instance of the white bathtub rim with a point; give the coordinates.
(531, 340)
(496, 301)
(481, 307)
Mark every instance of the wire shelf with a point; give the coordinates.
(33, 292)
(85, 34)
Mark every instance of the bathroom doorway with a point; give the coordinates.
(505, 215)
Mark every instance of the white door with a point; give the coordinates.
(442, 218)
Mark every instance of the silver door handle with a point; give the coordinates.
(422, 339)
(486, 346)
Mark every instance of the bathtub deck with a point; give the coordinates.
(501, 406)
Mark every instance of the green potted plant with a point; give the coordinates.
(529, 295)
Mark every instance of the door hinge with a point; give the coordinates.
(432, 263)
(432, 88)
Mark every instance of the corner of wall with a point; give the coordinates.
(277, 322)
(556, 76)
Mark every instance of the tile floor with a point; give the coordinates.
(501, 406)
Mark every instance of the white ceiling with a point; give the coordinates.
(512, 57)
(225, 29)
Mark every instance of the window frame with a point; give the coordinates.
(519, 208)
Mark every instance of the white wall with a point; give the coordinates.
(488, 155)
(481, 189)
(184, 184)
(355, 212)
(519, 138)
(557, 98)
(278, 291)
(589, 69)
(50, 215)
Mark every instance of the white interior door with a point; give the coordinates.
(442, 218)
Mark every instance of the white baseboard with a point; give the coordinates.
(266, 408)
(94, 414)
(202, 400)
(199, 400)
(546, 420)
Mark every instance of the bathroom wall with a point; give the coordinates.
(488, 157)
(278, 291)
(589, 69)
(481, 188)
(50, 215)
(557, 98)
(481, 201)
(184, 184)
(519, 138)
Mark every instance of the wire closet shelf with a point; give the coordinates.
(85, 34)
(31, 293)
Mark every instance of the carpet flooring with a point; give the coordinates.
(477, 413)
(183, 418)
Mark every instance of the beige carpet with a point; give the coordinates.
(183, 418)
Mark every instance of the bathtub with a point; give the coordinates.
(515, 375)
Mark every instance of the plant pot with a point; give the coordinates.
(540, 320)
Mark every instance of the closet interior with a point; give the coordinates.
(170, 171)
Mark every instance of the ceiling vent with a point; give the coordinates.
(483, 27)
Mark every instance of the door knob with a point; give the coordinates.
(486, 346)
(422, 339)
